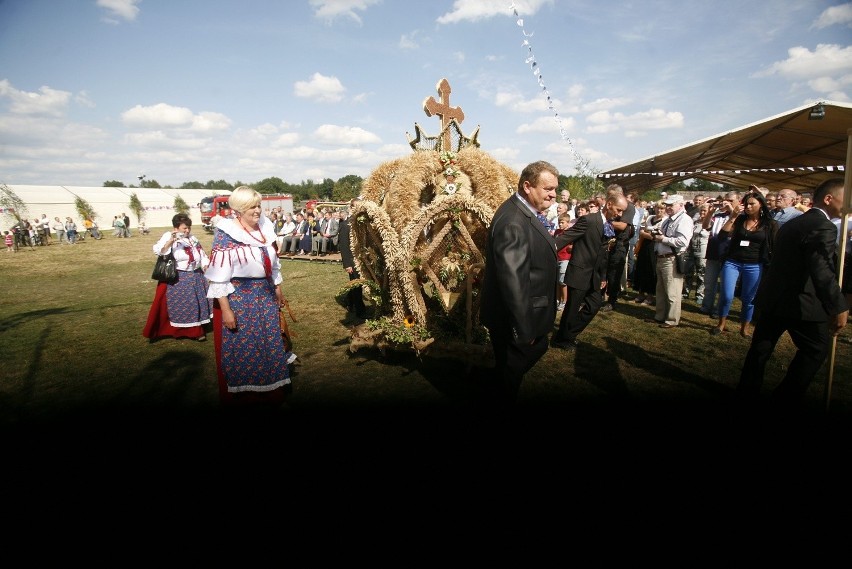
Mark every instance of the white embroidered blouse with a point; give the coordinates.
(239, 253)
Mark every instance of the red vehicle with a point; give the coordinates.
(218, 206)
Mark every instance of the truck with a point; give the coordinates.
(217, 206)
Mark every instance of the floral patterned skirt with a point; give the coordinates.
(252, 357)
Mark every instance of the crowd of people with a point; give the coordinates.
(307, 232)
(43, 231)
(719, 247)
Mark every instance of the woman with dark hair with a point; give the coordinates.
(181, 309)
(252, 363)
(751, 231)
(645, 266)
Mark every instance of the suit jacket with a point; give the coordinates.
(301, 227)
(344, 245)
(801, 282)
(330, 226)
(519, 287)
(587, 268)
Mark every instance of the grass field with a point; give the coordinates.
(87, 402)
(70, 337)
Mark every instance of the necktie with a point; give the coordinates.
(609, 231)
(543, 219)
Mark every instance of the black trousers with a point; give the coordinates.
(615, 268)
(355, 297)
(512, 360)
(812, 341)
(580, 310)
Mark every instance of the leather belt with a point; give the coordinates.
(666, 256)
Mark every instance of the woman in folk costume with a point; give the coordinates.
(182, 309)
(245, 282)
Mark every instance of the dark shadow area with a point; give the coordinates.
(18, 319)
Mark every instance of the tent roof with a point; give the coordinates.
(784, 151)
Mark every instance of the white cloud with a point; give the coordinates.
(408, 41)
(48, 102)
(605, 104)
(547, 125)
(158, 115)
(328, 10)
(163, 117)
(160, 139)
(123, 9)
(827, 70)
(82, 99)
(801, 63)
(516, 103)
(207, 122)
(836, 15)
(320, 88)
(475, 10)
(345, 135)
(633, 125)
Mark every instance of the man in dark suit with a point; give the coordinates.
(518, 293)
(355, 296)
(617, 259)
(799, 294)
(586, 273)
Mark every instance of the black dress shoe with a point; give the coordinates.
(607, 308)
(566, 345)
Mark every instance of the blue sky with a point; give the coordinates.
(241, 90)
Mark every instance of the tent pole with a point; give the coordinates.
(844, 229)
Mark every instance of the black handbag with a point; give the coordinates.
(164, 269)
(680, 261)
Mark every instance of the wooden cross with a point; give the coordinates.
(444, 111)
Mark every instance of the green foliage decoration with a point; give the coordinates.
(400, 333)
(180, 206)
(12, 203)
(85, 209)
(136, 207)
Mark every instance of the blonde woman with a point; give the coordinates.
(245, 283)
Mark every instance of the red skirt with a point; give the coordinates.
(158, 324)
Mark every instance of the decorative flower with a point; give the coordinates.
(408, 321)
(448, 159)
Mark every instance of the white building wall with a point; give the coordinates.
(59, 201)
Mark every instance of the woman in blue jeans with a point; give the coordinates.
(751, 233)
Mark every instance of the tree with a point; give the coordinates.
(180, 205)
(326, 189)
(84, 209)
(271, 185)
(12, 204)
(347, 187)
(219, 185)
(113, 184)
(136, 207)
(192, 186)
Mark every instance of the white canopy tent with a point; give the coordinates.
(792, 150)
(158, 203)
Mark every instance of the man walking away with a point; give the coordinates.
(800, 295)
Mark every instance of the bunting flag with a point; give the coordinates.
(786, 169)
(161, 207)
(536, 69)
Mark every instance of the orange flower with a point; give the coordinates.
(409, 321)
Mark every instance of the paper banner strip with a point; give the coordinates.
(837, 168)
(536, 69)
